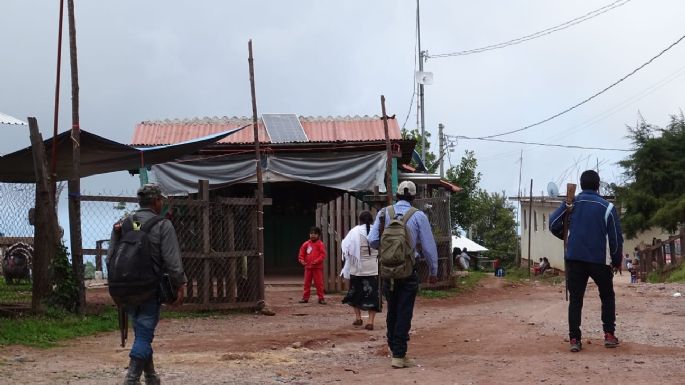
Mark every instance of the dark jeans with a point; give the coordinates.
(577, 274)
(400, 311)
(144, 318)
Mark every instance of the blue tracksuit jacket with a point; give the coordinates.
(593, 222)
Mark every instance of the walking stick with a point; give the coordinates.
(570, 194)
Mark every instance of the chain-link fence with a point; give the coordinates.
(16, 244)
(438, 211)
(218, 241)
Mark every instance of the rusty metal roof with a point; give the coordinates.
(318, 129)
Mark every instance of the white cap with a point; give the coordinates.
(410, 186)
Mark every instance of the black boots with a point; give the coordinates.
(151, 377)
(136, 367)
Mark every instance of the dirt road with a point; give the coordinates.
(498, 334)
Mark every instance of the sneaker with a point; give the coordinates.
(408, 363)
(303, 300)
(610, 340)
(397, 363)
(322, 302)
(576, 345)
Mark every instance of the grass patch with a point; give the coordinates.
(20, 293)
(516, 274)
(47, 330)
(678, 275)
(462, 284)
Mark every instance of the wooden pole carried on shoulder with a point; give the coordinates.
(570, 195)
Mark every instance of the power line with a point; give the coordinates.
(607, 88)
(544, 32)
(542, 144)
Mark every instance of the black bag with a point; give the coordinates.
(167, 292)
(133, 275)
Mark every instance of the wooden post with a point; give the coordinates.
(388, 151)
(45, 233)
(260, 185)
(98, 255)
(74, 184)
(232, 266)
(55, 120)
(325, 231)
(530, 223)
(337, 240)
(203, 192)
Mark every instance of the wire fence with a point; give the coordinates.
(438, 211)
(16, 244)
(218, 241)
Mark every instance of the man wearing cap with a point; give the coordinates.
(165, 249)
(402, 293)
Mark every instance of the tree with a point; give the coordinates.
(495, 224)
(654, 194)
(463, 204)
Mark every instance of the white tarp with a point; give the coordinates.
(470, 245)
(6, 119)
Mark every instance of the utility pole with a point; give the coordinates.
(421, 108)
(441, 137)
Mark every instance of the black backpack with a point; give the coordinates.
(133, 275)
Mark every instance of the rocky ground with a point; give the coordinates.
(500, 333)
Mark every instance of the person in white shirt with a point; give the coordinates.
(361, 268)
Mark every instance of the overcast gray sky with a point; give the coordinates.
(154, 59)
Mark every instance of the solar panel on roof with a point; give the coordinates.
(284, 128)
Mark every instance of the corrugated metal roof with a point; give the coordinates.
(318, 129)
(6, 119)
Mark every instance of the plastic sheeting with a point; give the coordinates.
(359, 171)
(98, 156)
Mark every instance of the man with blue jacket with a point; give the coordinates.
(592, 221)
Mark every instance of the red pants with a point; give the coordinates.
(317, 276)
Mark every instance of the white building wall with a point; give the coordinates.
(545, 244)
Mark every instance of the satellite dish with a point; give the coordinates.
(425, 78)
(552, 190)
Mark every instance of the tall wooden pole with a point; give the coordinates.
(55, 121)
(570, 196)
(45, 237)
(75, 181)
(388, 150)
(530, 224)
(260, 186)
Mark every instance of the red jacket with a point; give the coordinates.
(312, 254)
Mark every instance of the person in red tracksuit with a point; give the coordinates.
(311, 256)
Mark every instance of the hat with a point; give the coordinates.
(410, 186)
(150, 192)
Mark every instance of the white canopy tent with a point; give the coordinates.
(470, 245)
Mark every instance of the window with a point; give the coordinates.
(525, 220)
(535, 220)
